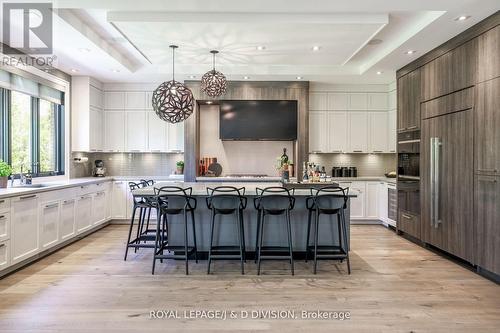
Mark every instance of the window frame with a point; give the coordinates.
(6, 137)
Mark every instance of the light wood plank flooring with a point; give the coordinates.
(395, 286)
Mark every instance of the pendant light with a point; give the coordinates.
(213, 83)
(173, 101)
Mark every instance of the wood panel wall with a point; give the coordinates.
(253, 90)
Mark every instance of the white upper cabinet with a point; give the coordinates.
(378, 132)
(392, 131)
(338, 135)
(358, 101)
(175, 138)
(392, 100)
(338, 101)
(114, 130)
(136, 131)
(318, 101)
(114, 100)
(358, 132)
(135, 100)
(318, 131)
(149, 100)
(378, 101)
(157, 133)
(86, 114)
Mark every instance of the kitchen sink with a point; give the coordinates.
(33, 186)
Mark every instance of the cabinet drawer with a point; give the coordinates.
(409, 224)
(4, 226)
(4, 254)
(4, 205)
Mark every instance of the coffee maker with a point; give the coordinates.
(99, 169)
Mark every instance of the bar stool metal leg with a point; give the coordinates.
(194, 237)
(240, 213)
(316, 236)
(186, 242)
(130, 232)
(309, 217)
(259, 212)
(240, 240)
(290, 247)
(157, 239)
(212, 224)
(260, 241)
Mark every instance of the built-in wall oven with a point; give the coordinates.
(409, 172)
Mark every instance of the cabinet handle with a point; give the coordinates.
(52, 205)
(312, 152)
(357, 151)
(488, 170)
(487, 180)
(408, 217)
(2, 217)
(135, 150)
(28, 197)
(2, 245)
(155, 150)
(84, 197)
(98, 194)
(118, 182)
(376, 151)
(337, 151)
(411, 127)
(2, 201)
(65, 202)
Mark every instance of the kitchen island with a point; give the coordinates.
(226, 229)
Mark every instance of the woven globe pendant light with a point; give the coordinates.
(213, 83)
(173, 101)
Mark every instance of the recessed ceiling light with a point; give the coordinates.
(410, 52)
(316, 48)
(74, 70)
(246, 77)
(84, 49)
(115, 70)
(192, 76)
(462, 18)
(299, 78)
(261, 48)
(375, 41)
(379, 72)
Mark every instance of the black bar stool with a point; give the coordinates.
(151, 201)
(227, 200)
(173, 200)
(329, 200)
(273, 201)
(144, 204)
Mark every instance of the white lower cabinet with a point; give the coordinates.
(4, 254)
(99, 207)
(49, 224)
(383, 202)
(372, 200)
(119, 207)
(24, 223)
(4, 226)
(83, 213)
(67, 227)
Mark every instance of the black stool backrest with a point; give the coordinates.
(174, 197)
(274, 198)
(226, 198)
(146, 183)
(135, 186)
(330, 198)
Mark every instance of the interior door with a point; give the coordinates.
(447, 182)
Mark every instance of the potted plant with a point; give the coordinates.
(5, 172)
(180, 167)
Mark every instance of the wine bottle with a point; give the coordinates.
(284, 157)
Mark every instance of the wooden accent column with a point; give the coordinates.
(254, 90)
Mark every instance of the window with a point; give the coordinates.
(32, 136)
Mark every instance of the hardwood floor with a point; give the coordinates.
(395, 286)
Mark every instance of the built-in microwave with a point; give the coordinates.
(409, 155)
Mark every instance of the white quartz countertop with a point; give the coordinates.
(62, 184)
(200, 189)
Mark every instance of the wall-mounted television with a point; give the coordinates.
(258, 120)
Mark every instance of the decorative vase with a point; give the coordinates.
(180, 170)
(3, 182)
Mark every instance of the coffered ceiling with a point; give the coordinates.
(260, 40)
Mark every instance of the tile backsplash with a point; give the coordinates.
(367, 164)
(127, 164)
